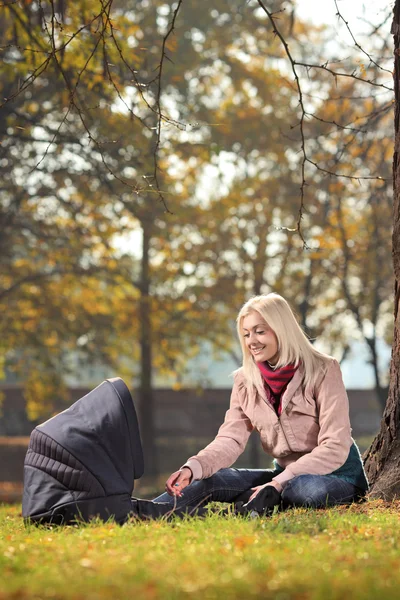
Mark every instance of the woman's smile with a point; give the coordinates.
(257, 350)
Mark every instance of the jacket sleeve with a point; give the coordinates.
(334, 438)
(230, 441)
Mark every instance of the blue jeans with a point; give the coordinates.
(234, 485)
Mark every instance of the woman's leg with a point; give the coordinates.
(224, 486)
(318, 491)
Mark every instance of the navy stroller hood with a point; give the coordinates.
(83, 462)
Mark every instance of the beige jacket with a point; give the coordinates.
(311, 436)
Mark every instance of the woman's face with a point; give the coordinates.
(260, 339)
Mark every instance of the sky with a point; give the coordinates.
(354, 11)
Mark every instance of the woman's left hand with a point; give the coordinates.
(257, 489)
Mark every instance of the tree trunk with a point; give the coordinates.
(382, 460)
(146, 405)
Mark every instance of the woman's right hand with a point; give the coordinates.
(178, 481)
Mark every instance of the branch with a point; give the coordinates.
(335, 74)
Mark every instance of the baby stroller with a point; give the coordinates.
(83, 462)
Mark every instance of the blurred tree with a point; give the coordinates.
(356, 235)
(56, 225)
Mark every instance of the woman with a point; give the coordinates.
(295, 398)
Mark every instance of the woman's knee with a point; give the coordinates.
(305, 491)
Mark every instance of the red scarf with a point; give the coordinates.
(275, 382)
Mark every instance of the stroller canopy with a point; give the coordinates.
(84, 460)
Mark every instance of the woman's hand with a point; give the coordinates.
(264, 500)
(257, 489)
(178, 481)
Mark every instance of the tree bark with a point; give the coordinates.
(146, 404)
(382, 460)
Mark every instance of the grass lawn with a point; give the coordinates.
(304, 555)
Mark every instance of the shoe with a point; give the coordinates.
(148, 510)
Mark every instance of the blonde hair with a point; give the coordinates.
(293, 345)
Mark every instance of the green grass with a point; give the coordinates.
(304, 555)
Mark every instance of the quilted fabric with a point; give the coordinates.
(45, 454)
